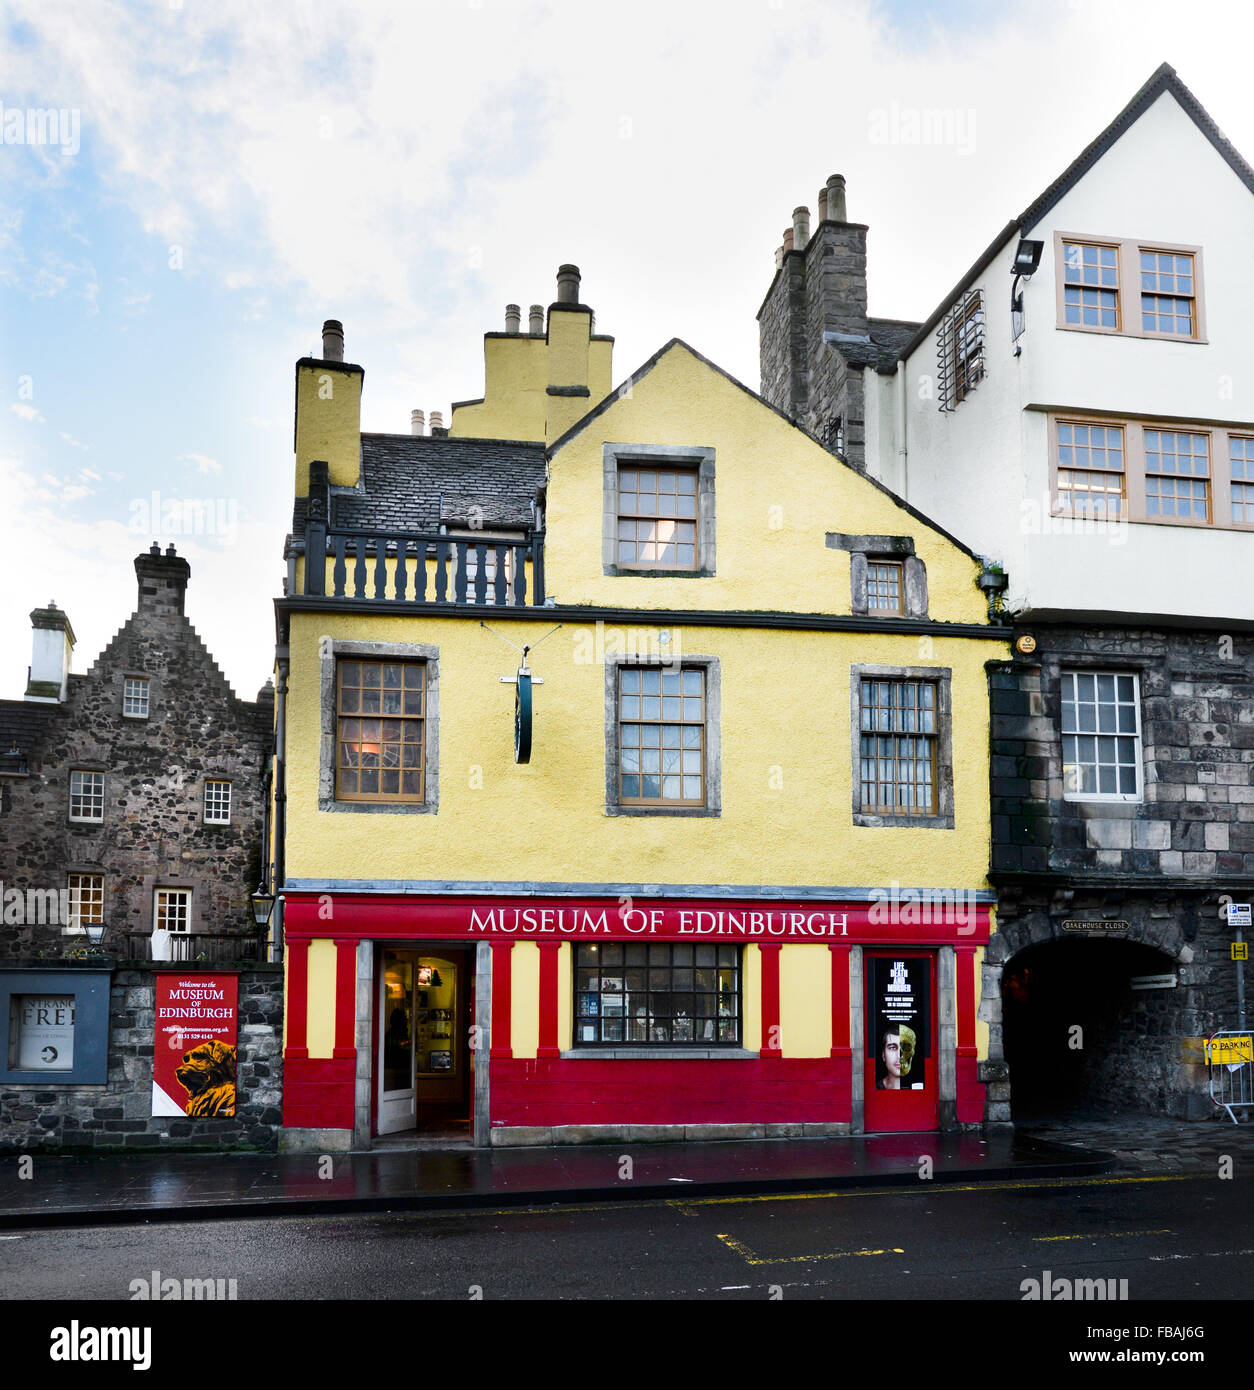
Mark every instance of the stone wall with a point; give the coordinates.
(153, 832)
(118, 1114)
(1196, 820)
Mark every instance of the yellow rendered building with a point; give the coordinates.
(634, 767)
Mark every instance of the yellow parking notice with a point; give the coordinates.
(1230, 1050)
(1240, 950)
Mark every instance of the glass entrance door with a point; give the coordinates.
(424, 1067)
(397, 1090)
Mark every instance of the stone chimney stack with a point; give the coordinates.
(535, 321)
(162, 582)
(52, 648)
(814, 333)
(417, 422)
(513, 318)
(333, 341)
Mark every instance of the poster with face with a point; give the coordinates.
(901, 991)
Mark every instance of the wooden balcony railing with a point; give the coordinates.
(200, 948)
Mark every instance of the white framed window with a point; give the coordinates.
(135, 697)
(86, 796)
(217, 802)
(172, 909)
(1101, 736)
(86, 902)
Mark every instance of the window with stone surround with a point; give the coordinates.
(902, 746)
(658, 510)
(662, 744)
(86, 796)
(1128, 287)
(1101, 736)
(379, 751)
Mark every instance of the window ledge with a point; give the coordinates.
(378, 808)
(903, 822)
(681, 811)
(660, 1053)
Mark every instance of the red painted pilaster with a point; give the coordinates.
(502, 999)
(965, 971)
(771, 1049)
(297, 1000)
(840, 1001)
(548, 999)
(345, 999)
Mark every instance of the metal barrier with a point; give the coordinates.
(1230, 1056)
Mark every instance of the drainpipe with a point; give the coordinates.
(903, 452)
(280, 798)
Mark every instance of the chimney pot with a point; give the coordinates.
(787, 239)
(535, 320)
(568, 284)
(800, 228)
(417, 422)
(779, 257)
(437, 422)
(823, 204)
(836, 199)
(333, 341)
(513, 318)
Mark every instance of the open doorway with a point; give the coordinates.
(1089, 1027)
(423, 1061)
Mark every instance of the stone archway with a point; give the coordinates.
(1126, 1055)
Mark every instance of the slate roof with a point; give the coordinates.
(21, 726)
(412, 482)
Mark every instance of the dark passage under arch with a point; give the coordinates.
(1078, 1037)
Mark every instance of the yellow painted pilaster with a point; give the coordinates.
(805, 1000)
(525, 999)
(321, 1016)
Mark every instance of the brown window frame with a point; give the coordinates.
(1128, 311)
(363, 716)
(878, 807)
(1057, 506)
(640, 721)
(960, 350)
(873, 580)
(684, 469)
(1219, 478)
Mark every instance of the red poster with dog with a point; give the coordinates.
(193, 1068)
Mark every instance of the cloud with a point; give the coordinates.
(71, 441)
(27, 413)
(203, 463)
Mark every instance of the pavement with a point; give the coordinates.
(103, 1189)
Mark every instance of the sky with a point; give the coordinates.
(224, 175)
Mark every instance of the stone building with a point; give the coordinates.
(131, 825)
(1078, 410)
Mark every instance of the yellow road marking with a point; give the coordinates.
(1106, 1235)
(929, 1189)
(751, 1259)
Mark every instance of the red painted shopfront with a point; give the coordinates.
(616, 1030)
